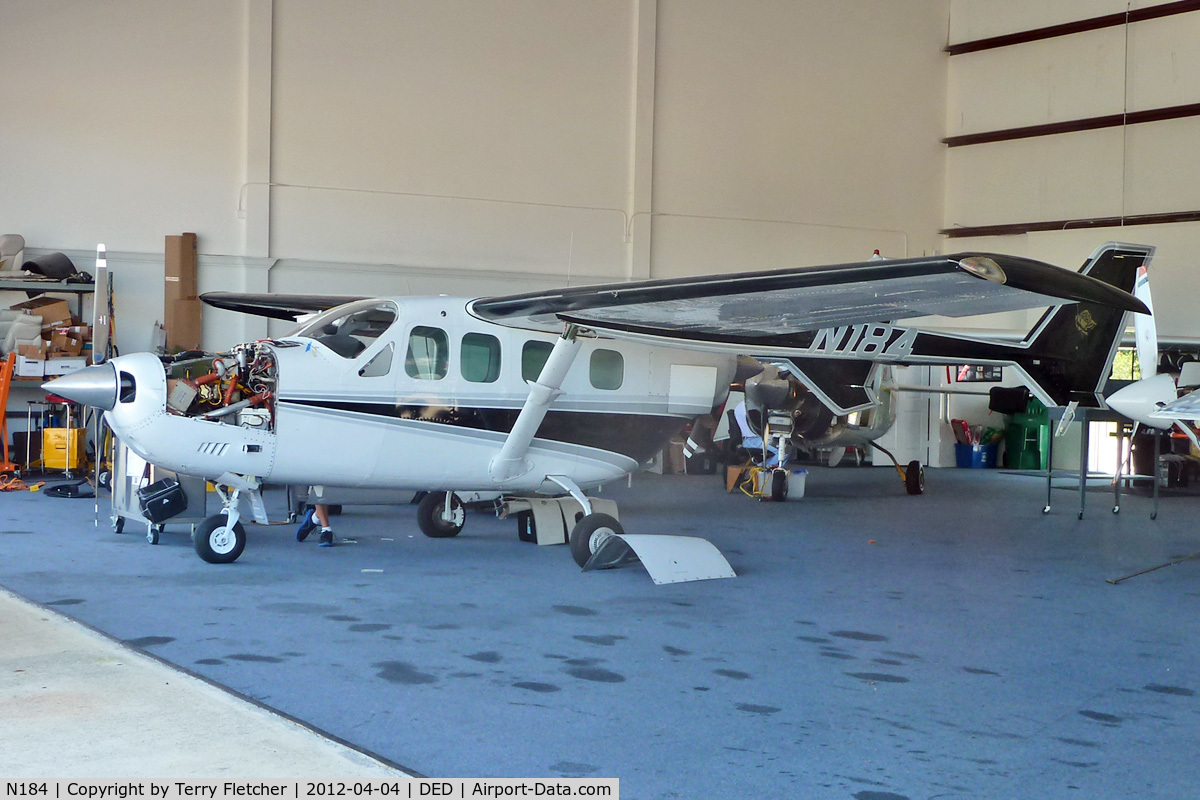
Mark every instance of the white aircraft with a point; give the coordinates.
(553, 393)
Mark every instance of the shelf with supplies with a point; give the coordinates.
(51, 286)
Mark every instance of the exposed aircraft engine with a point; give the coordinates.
(776, 392)
(236, 387)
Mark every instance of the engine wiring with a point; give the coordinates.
(236, 387)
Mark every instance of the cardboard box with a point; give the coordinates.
(54, 312)
(30, 367)
(64, 344)
(184, 325)
(179, 269)
(34, 352)
(63, 365)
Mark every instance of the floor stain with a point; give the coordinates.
(343, 618)
(369, 627)
(575, 611)
(595, 674)
(584, 662)
(878, 677)
(255, 658)
(1078, 742)
(298, 608)
(859, 636)
(813, 639)
(607, 640)
(534, 686)
(210, 662)
(737, 675)
(570, 768)
(869, 795)
(675, 651)
(403, 672)
(978, 671)
(150, 641)
(837, 654)
(1098, 716)
(755, 709)
(891, 662)
(69, 601)
(486, 657)
(1176, 690)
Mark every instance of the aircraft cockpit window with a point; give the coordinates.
(428, 354)
(349, 330)
(480, 358)
(380, 365)
(607, 369)
(533, 358)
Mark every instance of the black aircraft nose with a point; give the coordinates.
(92, 386)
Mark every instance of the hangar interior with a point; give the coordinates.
(468, 148)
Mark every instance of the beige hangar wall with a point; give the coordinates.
(468, 147)
(1122, 171)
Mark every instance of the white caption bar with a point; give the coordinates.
(448, 789)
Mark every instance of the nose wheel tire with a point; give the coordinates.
(779, 485)
(217, 543)
(153, 532)
(914, 478)
(430, 516)
(591, 532)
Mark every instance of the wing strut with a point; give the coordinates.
(510, 462)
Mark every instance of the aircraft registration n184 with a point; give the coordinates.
(555, 393)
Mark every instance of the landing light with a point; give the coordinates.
(983, 267)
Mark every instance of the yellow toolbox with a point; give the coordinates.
(63, 448)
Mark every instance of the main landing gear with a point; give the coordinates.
(441, 515)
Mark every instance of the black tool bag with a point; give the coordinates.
(162, 500)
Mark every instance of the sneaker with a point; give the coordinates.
(326, 539)
(307, 525)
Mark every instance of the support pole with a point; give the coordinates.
(510, 462)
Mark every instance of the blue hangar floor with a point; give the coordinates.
(874, 646)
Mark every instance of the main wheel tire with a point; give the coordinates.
(914, 478)
(779, 485)
(153, 532)
(429, 516)
(217, 543)
(118, 525)
(589, 533)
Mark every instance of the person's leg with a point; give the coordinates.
(321, 512)
(308, 524)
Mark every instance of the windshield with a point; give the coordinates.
(348, 330)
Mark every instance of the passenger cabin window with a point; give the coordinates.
(607, 369)
(480, 358)
(533, 358)
(350, 329)
(380, 364)
(428, 354)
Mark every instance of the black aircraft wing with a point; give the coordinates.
(275, 306)
(756, 310)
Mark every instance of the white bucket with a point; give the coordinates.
(796, 484)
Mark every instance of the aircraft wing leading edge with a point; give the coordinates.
(766, 308)
(276, 306)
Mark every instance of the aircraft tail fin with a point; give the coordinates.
(1068, 354)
